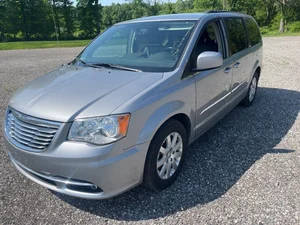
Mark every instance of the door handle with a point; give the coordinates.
(227, 69)
(236, 65)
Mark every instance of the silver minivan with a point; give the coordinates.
(125, 110)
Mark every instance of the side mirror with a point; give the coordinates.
(209, 60)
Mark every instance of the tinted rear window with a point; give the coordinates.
(237, 39)
(253, 32)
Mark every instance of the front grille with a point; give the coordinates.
(29, 133)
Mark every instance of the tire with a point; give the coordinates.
(250, 97)
(154, 176)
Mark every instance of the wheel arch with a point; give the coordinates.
(258, 71)
(184, 120)
(255, 68)
(171, 111)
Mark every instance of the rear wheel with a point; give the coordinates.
(248, 100)
(165, 156)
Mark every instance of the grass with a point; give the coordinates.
(42, 44)
(277, 34)
(79, 43)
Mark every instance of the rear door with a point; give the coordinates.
(237, 43)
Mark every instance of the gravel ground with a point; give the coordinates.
(245, 170)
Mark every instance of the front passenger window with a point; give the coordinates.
(210, 40)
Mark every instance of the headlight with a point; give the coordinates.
(100, 130)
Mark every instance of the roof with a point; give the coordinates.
(183, 16)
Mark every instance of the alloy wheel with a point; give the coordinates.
(169, 155)
(253, 87)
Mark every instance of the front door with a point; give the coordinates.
(213, 85)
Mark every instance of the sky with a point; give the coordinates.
(109, 2)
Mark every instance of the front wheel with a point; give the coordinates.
(248, 100)
(165, 156)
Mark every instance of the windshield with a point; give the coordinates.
(145, 46)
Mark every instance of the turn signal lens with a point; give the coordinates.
(123, 124)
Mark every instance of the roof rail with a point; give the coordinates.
(217, 11)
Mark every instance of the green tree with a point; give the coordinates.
(89, 12)
(68, 18)
(62, 17)
(203, 5)
(287, 12)
(245, 6)
(11, 18)
(56, 17)
(138, 9)
(182, 6)
(2, 20)
(270, 9)
(153, 8)
(167, 8)
(39, 19)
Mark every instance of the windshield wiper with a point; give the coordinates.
(83, 62)
(114, 66)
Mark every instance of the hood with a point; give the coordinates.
(69, 91)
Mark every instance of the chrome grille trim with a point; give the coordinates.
(36, 121)
(29, 133)
(29, 126)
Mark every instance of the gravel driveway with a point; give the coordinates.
(245, 170)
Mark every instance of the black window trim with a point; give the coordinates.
(225, 37)
(247, 33)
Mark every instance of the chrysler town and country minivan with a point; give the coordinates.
(124, 111)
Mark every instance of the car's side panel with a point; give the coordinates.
(151, 109)
(239, 60)
(248, 61)
(212, 88)
(256, 54)
(240, 73)
(254, 49)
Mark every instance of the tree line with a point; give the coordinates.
(84, 19)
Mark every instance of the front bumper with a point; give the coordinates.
(83, 170)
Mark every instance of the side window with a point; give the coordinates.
(210, 40)
(237, 39)
(253, 32)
